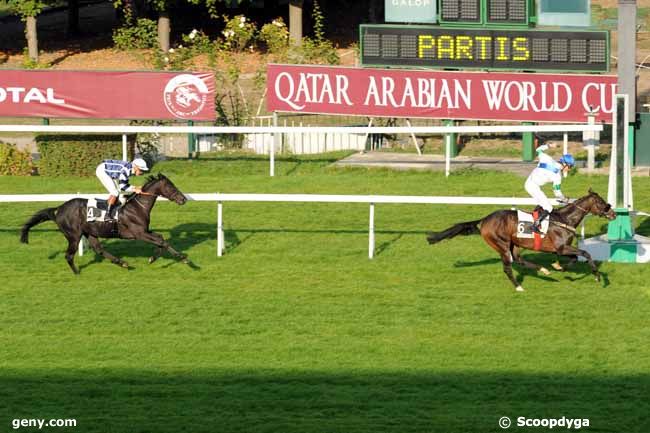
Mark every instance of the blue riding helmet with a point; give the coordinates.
(567, 159)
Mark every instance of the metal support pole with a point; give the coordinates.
(125, 153)
(191, 141)
(453, 149)
(365, 139)
(371, 232)
(590, 140)
(565, 147)
(528, 141)
(220, 242)
(276, 136)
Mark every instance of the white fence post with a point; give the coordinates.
(220, 241)
(272, 151)
(125, 154)
(447, 154)
(82, 242)
(371, 232)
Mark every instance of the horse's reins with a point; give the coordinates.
(143, 193)
(564, 226)
(151, 195)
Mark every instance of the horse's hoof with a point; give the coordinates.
(545, 271)
(125, 265)
(186, 261)
(152, 259)
(598, 278)
(519, 289)
(557, 266)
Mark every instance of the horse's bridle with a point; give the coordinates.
(600, 214)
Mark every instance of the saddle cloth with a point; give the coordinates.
(96, 211)
(525, 221)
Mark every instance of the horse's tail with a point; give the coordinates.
(39, 217)
(466, 228)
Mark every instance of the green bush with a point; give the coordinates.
(78, 155)
(14, 162)
(142, 35)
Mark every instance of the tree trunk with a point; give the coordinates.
(295, 21)
(73, 17)
(32, 38)
(164, 28)
(372, 12)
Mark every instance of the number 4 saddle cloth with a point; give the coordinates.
(96, 211)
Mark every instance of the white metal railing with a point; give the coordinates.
(276, 130)
(221, 198)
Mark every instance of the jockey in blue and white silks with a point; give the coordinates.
(112, 170)
(547, 171)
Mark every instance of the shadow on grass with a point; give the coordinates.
(306, 402)
(545, 260)
(184, 237)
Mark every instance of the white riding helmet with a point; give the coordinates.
(141, 164)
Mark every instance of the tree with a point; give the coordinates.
(163, 8)
(295, 21)
(28, 10)
(73, 17)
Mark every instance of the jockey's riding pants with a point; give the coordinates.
(536, 192)
(106, 180)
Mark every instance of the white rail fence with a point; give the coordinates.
(371, 200)
(275, 131)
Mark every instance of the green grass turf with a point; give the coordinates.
(294, 330)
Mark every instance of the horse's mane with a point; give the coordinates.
(151, 179)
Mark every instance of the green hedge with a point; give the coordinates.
(78, 155)
(14, 162)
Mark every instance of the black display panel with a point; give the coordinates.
(507, 49)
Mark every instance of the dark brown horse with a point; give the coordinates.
(133, 222)
(499, 230)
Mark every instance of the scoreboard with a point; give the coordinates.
(485, 48)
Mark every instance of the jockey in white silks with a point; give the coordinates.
(547, 171)
(112, 170)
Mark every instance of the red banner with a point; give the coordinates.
(440, 95)
(107, 95)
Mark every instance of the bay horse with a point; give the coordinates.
(133, 222)
(499, 230)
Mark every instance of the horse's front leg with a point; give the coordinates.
(568, 250)
(161, 243)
